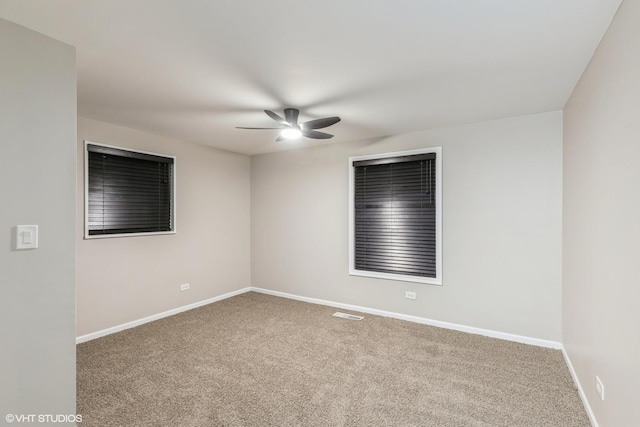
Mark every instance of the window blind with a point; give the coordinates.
(395, 215)
(128, 192)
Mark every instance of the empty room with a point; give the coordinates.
(320, 213)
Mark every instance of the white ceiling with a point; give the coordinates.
(195, 69)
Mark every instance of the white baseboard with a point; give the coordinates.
(456, 327)
(576, 381)
(122, 327)
(422, 320)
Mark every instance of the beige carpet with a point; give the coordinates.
(258, 360)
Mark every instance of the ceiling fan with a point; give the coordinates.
(291, 129)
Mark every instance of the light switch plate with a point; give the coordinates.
(26, 237)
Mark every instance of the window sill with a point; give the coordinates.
(398, 277)
(108, 236)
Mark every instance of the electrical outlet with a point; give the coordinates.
(410, 295)
(184, 287)
(599, 388)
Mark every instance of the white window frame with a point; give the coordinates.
(86, 194)
(378, 275)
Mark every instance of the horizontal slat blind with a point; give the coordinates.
(395, 216)
(128, 193)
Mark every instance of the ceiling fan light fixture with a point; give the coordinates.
(291, 133)
(291, 129)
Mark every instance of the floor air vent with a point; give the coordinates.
(347, 316)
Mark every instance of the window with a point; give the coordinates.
(395, 216)
(127, 192)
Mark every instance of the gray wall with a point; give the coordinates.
(501, 226)
(37, 183)
(601, 223)
(210, 249)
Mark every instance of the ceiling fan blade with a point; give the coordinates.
(320, 123)
(291, 115)
(280, 138)
(276, 117)
(242, 127)
(315, 134)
